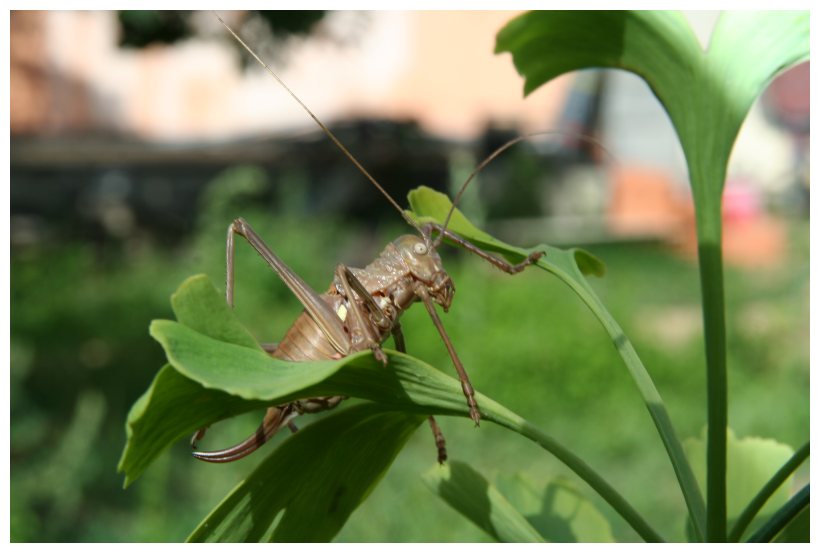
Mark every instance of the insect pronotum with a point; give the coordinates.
(362, 307)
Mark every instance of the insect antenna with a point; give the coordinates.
(498, 151)
(324, 128)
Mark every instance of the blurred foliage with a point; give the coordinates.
(141, 28)
(81, 355)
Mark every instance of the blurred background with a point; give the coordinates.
(137, 137)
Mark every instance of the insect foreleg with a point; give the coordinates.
(466, 386)
(441, 445)
(364, 322)
(497, 262)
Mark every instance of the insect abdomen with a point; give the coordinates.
(305, 341)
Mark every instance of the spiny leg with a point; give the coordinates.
(438, 436)
(466, 386)
(275, 418)
(364, 323)
(325, 318)
(321, 313)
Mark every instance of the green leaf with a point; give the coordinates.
(556, 509)
(707, 94)
(238, 370)
(752, 509)
(199, 306)
(655, 45)
(308, 487)
(173, 408)
(752, 461)
(469, 493)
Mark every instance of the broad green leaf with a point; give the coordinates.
(406, 384)
(172, 409)
(556, 509)
(200, 307)
(707, 96)
(655, 45)
(469, 493)
(752, 461)
(175, 406)
(308, 487)
(752, 508)
(239, 370)
(412, 386)
(429, 205)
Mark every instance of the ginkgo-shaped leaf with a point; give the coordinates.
(308, 487)
(707, 94)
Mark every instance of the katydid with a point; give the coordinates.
(362, 307)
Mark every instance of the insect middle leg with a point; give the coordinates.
(380, 321)
(370, 326)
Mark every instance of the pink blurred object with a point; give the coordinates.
(741, 202)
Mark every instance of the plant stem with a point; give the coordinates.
(652, 398)
(711, 280)
(766, 492)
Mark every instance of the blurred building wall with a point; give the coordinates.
(436, 67)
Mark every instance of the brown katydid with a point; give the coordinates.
(362, 307)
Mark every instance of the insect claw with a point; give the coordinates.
(198, 435)
(379, 354)
(475, 415)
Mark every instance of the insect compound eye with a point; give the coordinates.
(420, 249)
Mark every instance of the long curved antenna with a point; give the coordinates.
(498, 151)
(326, 130)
